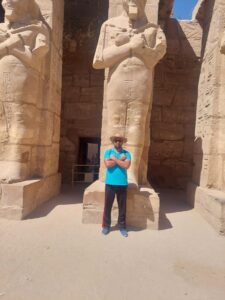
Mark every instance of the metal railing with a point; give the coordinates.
(84, 173)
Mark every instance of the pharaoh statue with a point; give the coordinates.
(129, 47)
(24, 44)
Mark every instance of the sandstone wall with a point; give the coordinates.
(209, 153)
(174, 106)
(82, 87)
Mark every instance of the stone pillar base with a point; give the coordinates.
(17, 200)
(142, 206)
(210, 204)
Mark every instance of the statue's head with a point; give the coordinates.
(16, 10)
(134, 8)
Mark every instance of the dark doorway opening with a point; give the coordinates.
(89, 151)
(87, 168)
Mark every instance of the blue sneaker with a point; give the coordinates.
(124, 232)
(105, 230)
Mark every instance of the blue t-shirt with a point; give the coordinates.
(116, 175)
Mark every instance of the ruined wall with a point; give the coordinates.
(174, 106)
(209, 153)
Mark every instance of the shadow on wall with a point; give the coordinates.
(174, 107)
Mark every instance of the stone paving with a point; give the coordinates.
(51, 255)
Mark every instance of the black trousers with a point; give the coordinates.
(120, 192)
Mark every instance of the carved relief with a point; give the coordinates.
(129, 47)
(24, 43)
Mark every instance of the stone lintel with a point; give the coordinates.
(17, 200)
(142, 206)
(210, 204)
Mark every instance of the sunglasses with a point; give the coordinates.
(117, 141)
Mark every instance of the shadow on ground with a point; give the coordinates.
(171, 201)
(69, 195)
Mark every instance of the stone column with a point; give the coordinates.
(143, 202)
(30, 149)
(207, 189)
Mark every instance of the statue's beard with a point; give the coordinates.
(133, 12)
(10, 14)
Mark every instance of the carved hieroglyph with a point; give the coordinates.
(24, 43)
(129, 47)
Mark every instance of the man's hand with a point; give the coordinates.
(109, 163)
(123, 157)
(112, 157)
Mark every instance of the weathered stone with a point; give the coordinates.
(142, 206)
(20, 199)
(166, 149)
(165, 131)
(210, 203)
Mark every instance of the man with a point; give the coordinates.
(117, 161)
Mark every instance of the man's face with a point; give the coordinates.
(118, 143)
(134, 8)
(14, 8)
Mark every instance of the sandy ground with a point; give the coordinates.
(51, 255)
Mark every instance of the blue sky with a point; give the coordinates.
(183, 9)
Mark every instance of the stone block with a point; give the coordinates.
(210, 203)
(20, 199)
(164, 96)
(80, 111)
(175, 115)
(167, 131)
(166, 149)
(46, 128)
(142, 206)
(156, 114)
(45, 160)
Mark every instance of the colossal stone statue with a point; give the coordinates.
(24, 43)
(129, 47)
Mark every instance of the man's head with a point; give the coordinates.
(134, 8)
(15, 10)
(118, 140)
